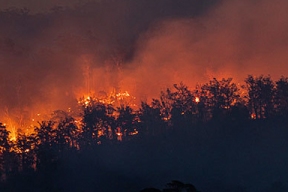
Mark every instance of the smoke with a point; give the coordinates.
(233, 39)
(50, 59)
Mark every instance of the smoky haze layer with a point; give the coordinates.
(50, 59)
(234, 39)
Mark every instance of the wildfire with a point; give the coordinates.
(114, 98)
(11, 127)
(27, 124)
(86, 100)
(14, 126)
(123, 95)
(13, 132)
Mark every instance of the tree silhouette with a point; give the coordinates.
(281, 97)
(177, 186)
(178, 106)
(183, 106)
(260, 95)
(97, 122)
(66, 134)
(25, 146)
(126, 121)
(45, 146)
(219, 97)
(150, 190)
(4, 139)
(151, 119)
(4, 151)
(216, 104)
(174, 186)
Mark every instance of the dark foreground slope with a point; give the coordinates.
(249, 157)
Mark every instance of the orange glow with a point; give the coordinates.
(119, 136)
(253, 116)
(85, 100)
(21, 123)
(100, 132)
(13, 132)
(117, 99)
(169, 50)
(166, 118)
(11, 127)
(27, 124)
(135, 132)
(122, 95)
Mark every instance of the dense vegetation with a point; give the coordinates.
(66, 155)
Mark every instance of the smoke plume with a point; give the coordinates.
(50, 59)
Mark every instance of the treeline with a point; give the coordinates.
(218, 102)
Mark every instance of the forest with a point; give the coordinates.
(121, 148)
(222, 135)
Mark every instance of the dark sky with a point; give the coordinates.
(44, 5)
(37, 5)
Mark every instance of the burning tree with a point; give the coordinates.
(97, 121)
(126, 122)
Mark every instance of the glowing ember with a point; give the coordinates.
(114, 98)
(119, 136)
(197, 99)
(253, 116)
(135, 132)
(166, 118)
(122, 95)
(85, 100)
